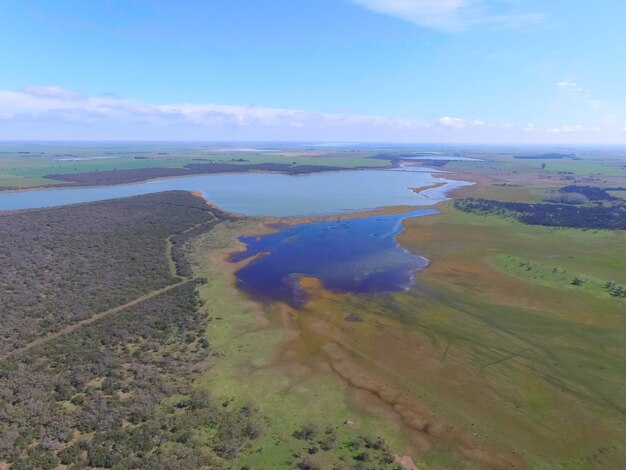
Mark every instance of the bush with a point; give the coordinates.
(306, 432)
(70, 454)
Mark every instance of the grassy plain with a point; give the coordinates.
(546, 355)
(479, 365)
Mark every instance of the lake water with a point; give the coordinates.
(353, 255)
(443, 158)
(264, 193)
(81, 159)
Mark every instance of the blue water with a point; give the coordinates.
(264, 193)
(352, 255)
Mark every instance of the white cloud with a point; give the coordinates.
(56, 113)
(54, 103)
(460, 123)
(572, 88)
(53, 92)
(580, 95)
(565, 129)
(453, 15)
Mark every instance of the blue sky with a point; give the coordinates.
(348, 70)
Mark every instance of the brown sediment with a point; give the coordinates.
(424, 427)
(319, 341)
(406, 462)
(419, 189)
(244, 262)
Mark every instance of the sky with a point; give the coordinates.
(450, 71)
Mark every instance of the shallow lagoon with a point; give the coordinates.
(354, 255)
(269, 194)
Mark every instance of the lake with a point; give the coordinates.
(358, 255)
(265, 194)
(443, 158)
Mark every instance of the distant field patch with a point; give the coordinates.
(554, 276)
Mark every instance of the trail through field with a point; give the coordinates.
(98, 316)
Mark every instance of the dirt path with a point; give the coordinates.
(98, 316)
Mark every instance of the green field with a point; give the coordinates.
(550, 274)
(26, 165)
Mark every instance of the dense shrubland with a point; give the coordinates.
(609, 217)
(119, 394)
(567, 198)
(142, 174)
(592, 193)
(61, 265)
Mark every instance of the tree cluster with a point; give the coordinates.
(592, 193)
(608, 217)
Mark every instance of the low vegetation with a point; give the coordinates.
(552, 275)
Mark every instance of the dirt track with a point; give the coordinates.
(98, 316)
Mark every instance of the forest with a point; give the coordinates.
(61, 265)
